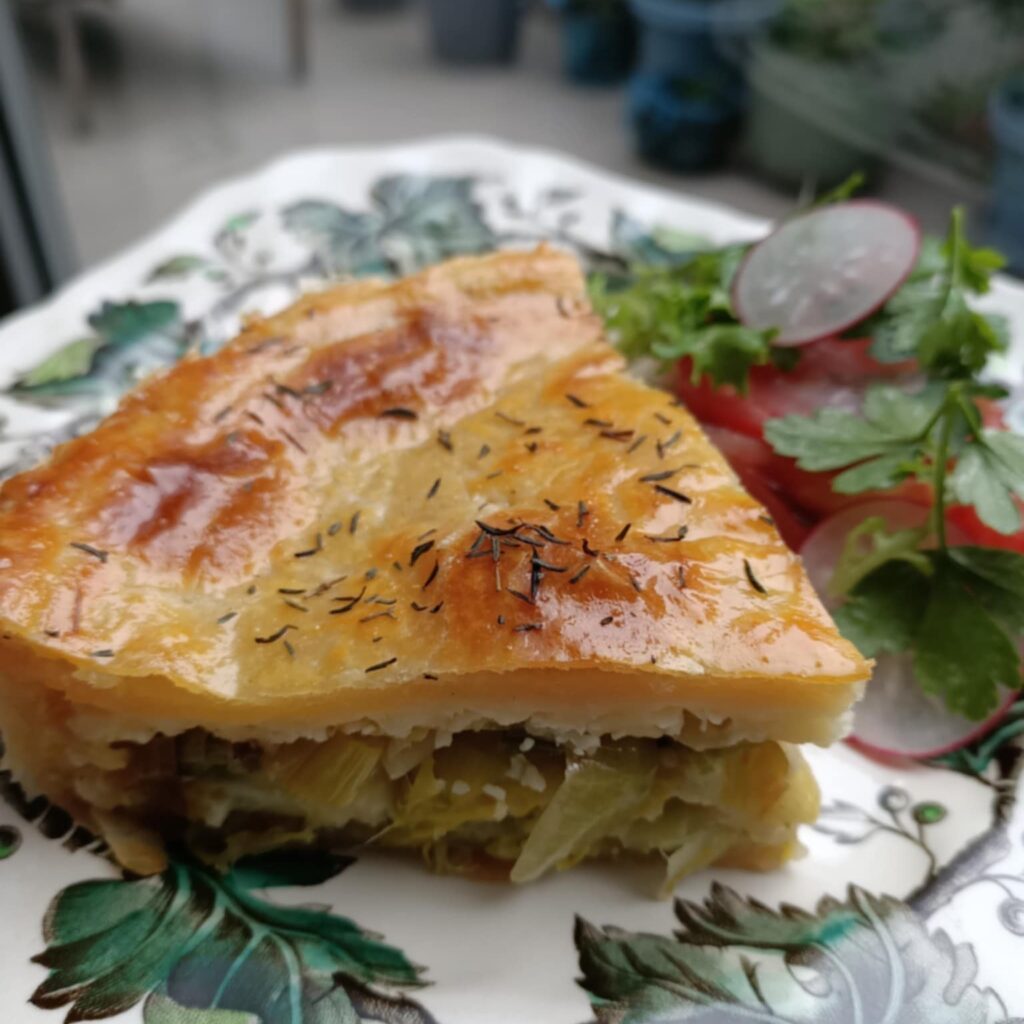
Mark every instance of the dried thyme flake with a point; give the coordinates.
(754, 581)
(90, 550)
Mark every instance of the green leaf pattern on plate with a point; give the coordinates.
(130, 340)
(10, 840)
(639, 243)
(412, 223)
(160, 1008)
(736, 961)
(204, 941)
(177, 267)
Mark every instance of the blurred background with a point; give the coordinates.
(114, 113)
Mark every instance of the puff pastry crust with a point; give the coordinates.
(397, 502)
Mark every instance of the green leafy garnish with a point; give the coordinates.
(884, 609)
(929, 319)
(950, 615)
(675, 302)
(957, 610)
(844, 190)
(997, 582)
(868, 546)
(988, 475)
(961, 652)
(884, 444)
(673, 312)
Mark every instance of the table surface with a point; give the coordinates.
(193, 92)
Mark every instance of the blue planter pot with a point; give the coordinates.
(698, 40)
(1006, 214)
(474, 31)
(1006, 120)
(598, 47)
(679, 127)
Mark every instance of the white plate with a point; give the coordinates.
(908, 908)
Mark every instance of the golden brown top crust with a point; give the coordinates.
(389, 488)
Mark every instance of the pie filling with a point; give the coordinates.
(488, 803)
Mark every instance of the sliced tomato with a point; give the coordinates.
(991, 414)
(965, 517)
(813, 491)
(807, 496)
(832, 373)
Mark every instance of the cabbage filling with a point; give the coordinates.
(487, 803)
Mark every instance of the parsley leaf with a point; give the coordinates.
(892, 427)
(956, 610)
(884, 610)
(998, 581)
(959, 343)
(673, 312)
(929, 318)
(952, 614)
(876, 474)
(843, 191)
(895, 331)
(897, 326)
(901, 435)
(869, 545)
(988, 474)
(961, 653)
(972, 268)
(723, 352)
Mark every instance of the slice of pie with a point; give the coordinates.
(414, 565)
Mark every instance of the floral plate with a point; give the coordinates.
(908, 908)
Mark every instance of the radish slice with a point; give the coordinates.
(821, 550)
(896, 718)
(824, 271)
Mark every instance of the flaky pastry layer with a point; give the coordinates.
(396, 502)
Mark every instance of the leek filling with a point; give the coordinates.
(488, 802)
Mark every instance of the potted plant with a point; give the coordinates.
(950, 123)
(1008, 14)
(687, 96)
(474, 31)
(698, 40)
(908, 24)
(819, 108)
(598, 40)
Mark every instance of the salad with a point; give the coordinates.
(839, 364)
